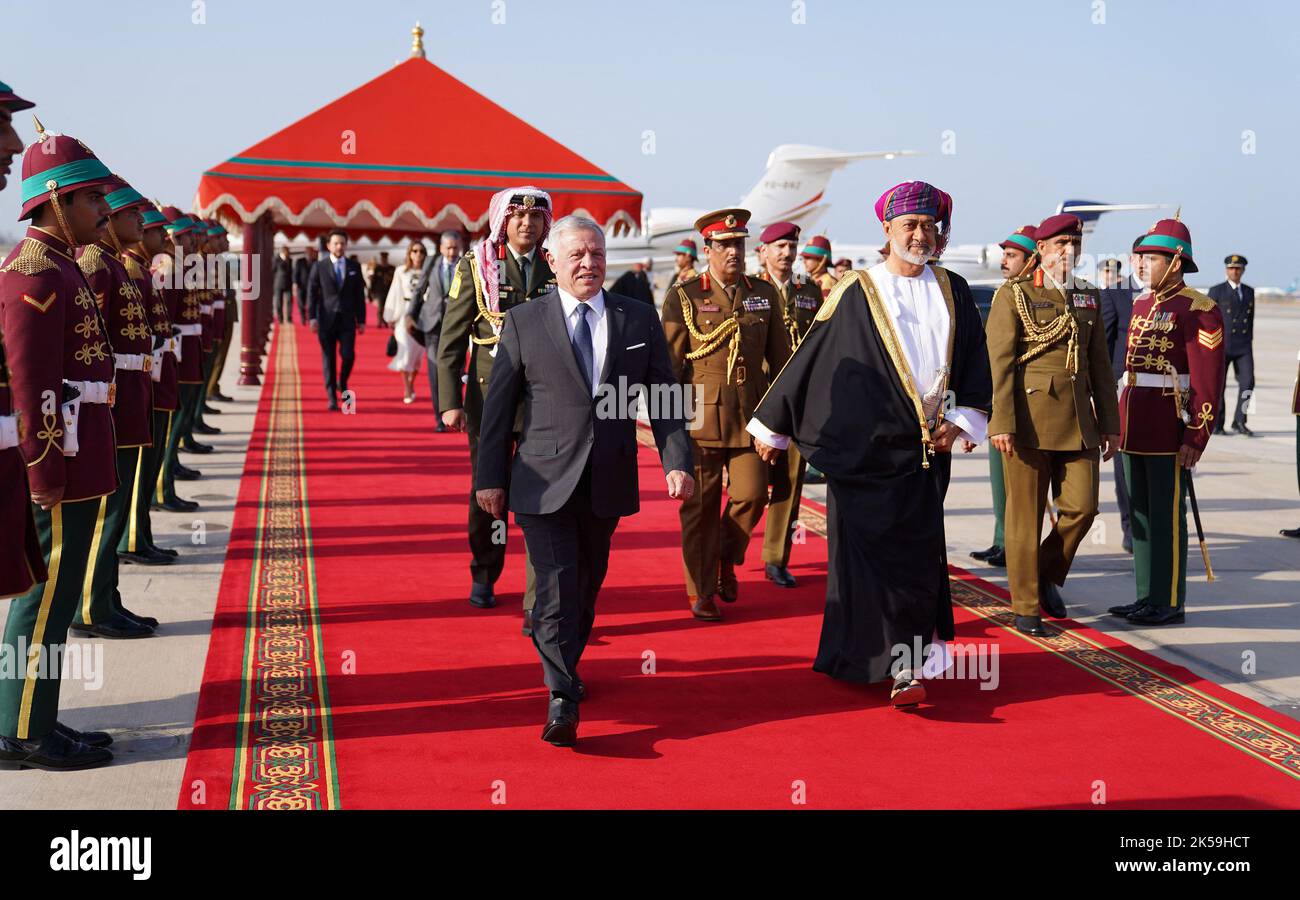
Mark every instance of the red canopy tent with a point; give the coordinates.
(367, 163)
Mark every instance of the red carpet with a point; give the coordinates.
(347, 670)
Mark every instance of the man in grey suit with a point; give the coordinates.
(568, 357)
(429, 303)
(1117, 295)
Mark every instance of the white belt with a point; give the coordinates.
(195, 330)
(218, 304)
(8, 432)
(133, 362)
(1157, 380)
(205, 309)
(94, 391)
(90, 392)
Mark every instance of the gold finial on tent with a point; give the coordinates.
(417, 42)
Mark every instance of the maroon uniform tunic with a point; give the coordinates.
(21, 562)
(183, 309)
(131, 336)
(1174, 373)
(165, 370)
(54, 332)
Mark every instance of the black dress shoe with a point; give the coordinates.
(205, 428)
(778, 575)
(333, 404)
(178, 506)
(185, 473)
(1168, 615)
(1290, 532)
(209, 411)
(1124, 610)
(145, 557)
(528, 622)
(1242, 429)
(1127, 543)
(117, 627)
(1031, 625)
(147, 621)
(561, 729)
(220, 397)
(53, 753)
(481, 595)
(89, 738)
(193, 446)
(982, 555)
(728, 586)
(1049, 598)
(165, 551)
(441, 429)
(997, 560)
(1219, 430)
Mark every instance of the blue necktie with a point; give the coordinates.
(582, 346)
(338, 271)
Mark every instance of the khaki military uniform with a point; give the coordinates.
(800, 301)
(1054, 390)
(730, 367)
(468, 326)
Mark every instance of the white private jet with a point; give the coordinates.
(792, 189)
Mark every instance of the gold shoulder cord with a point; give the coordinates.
(729, 327)
(31, 259)
(1041, 338)
(492, 318)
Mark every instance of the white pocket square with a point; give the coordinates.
(634, 346)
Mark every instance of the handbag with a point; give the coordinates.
(392, 345)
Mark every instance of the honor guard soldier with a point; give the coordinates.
(224, 309)
(1237, 303)
(1054, 405)
(1295, 410)
(505, 269)
(685, 256)
(1019, 256)
(205, 295)
(121, 302)
(183, 308)
(817, 262)
(727, 341)
(137, 544)
(22, 564)
(61, 374)
(1174, 375)
(799, 300)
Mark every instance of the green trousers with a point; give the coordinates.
(180, 423)
(200, 396)
(138, 533)
(999, 486)
(99, 597)
(38, 621)
(1157, 488)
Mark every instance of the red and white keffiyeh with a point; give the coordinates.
(492, 248)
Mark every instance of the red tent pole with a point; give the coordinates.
(250, 357)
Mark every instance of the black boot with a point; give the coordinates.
(481, 595)
(118, 626)
(54, 753)
(1031, 625)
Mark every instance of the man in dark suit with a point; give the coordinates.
(1237, 301)
(336, 301)
(570, 359)
(1117, 295)
(430, 302)
(301, 276)
(635, 282)
(282, 286)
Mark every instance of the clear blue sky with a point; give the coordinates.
(1149, 106)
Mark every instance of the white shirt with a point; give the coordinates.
(599, 323)
(920, 317)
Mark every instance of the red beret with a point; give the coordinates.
(818, 245)
(1061, 223)
(779, 231)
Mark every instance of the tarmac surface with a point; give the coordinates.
(1242, 631)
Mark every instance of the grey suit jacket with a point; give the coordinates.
(563, 432)
(429, 302)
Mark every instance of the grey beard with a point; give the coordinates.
(907, 256)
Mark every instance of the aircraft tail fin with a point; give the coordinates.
(795, 181)
(1091, 210)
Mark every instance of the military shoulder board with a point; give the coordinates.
(31, 259)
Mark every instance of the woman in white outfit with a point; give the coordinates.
(400, 293)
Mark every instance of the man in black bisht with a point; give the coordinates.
(891, 374)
